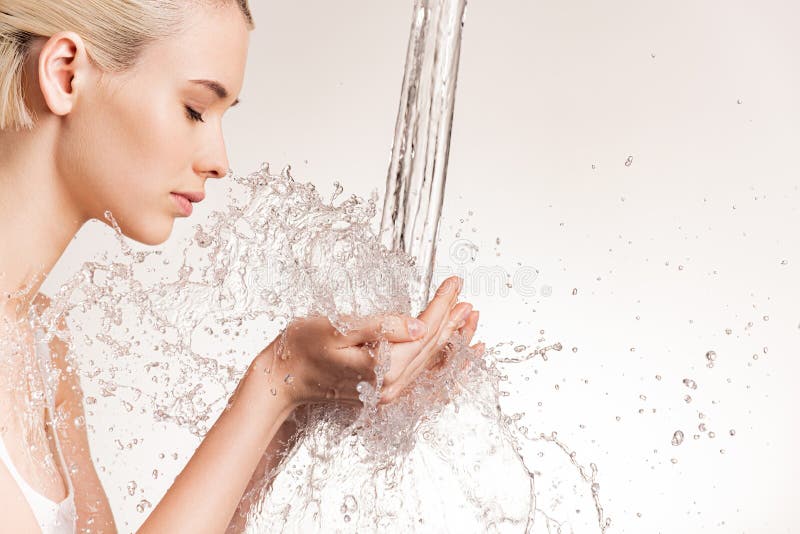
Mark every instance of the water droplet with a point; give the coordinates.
(711, 355)
(131, 486)
(677, 438)
(629, 161)
(143, 505)
(689, 383)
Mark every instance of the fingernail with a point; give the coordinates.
(416, 328)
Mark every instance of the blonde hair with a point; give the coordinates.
(115, 33)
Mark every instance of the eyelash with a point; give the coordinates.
(194, 115)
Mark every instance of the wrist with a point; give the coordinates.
(270, 374)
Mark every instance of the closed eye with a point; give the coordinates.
(193, 115)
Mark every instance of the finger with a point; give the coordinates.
(467, 332)
(393, 328)
(431, 349)
(469, 328)
(443, 301)
(430, 352)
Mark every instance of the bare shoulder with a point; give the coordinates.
(69, 386)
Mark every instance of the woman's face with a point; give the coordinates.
(139, 136)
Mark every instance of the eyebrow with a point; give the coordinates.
(217, 88)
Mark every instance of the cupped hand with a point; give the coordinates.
(311, 361)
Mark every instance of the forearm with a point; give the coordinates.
(264, 474)
(205, 494)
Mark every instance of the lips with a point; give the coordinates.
(193, 197)
(184, 201)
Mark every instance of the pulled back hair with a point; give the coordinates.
(115, 33)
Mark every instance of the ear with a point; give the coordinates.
(63, 65)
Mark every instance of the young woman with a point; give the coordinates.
(117, 105)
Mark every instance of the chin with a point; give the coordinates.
(154, 232)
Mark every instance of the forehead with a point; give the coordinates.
(212, 44)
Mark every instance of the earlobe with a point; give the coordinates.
(61, 64)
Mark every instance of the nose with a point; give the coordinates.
(213, 163)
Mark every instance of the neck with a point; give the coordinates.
(37, 217)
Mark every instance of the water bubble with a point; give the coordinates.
(143, 505)
(349, 504)
(711, 355)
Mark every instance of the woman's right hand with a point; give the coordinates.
(311, 361)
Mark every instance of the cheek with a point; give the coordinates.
(123, 157)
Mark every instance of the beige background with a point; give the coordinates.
(697, 235)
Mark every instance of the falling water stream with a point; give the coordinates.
(417, 175)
